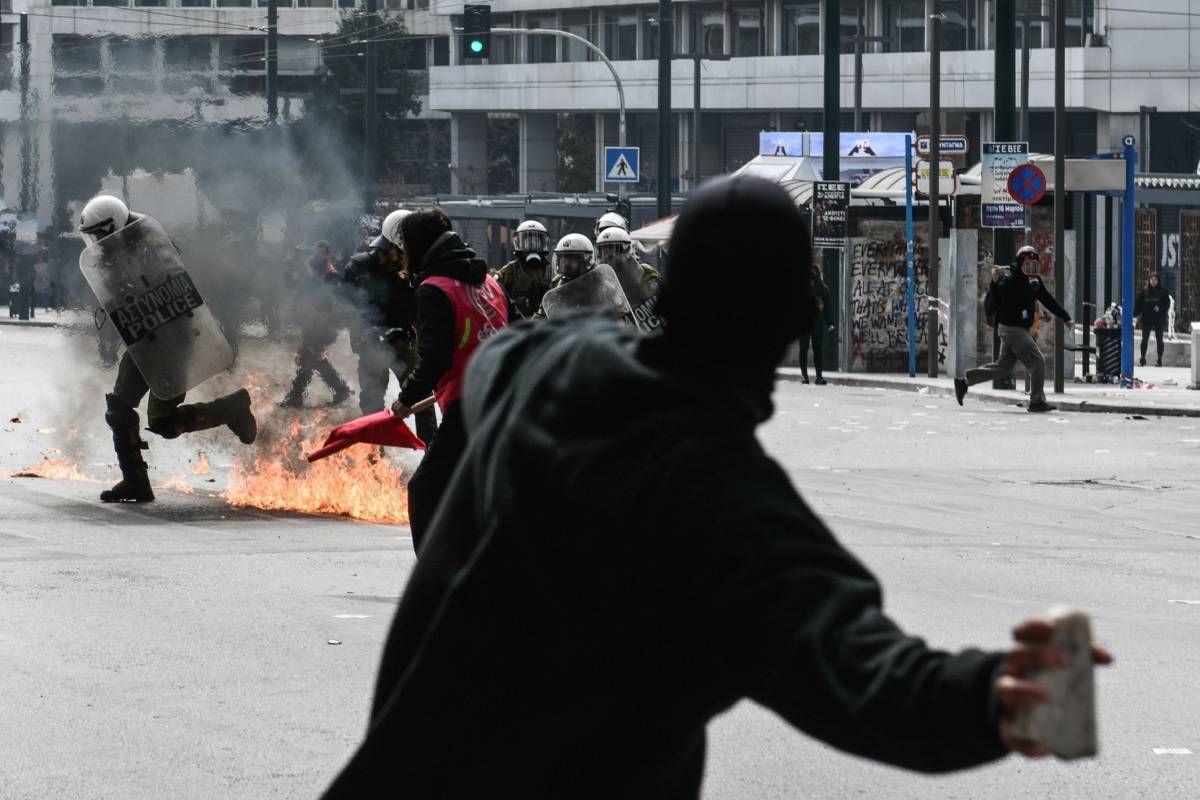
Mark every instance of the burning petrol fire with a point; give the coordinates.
(201, 467)
(54, 468)
(355, 483)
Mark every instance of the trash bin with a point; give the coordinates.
(1108, 352)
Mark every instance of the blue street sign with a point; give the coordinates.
(948, 145)
(621, 164)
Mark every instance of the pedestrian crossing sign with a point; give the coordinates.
(621, 164)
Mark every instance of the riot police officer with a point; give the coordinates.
(528, 276)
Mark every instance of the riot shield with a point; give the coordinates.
(641, 289)
(148, 296)
(597, 288)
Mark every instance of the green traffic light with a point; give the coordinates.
(476, 46)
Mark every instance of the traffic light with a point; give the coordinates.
(477, 31)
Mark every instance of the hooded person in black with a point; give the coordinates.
(438, 261)
(617, 561)
(1153, 304)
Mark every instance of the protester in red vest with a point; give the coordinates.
(456, 307)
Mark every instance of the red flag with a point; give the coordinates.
(379, 428)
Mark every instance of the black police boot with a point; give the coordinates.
(232, 410)
(295, 396)
(134, 486)
(341, 391)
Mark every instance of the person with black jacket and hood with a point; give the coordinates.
(456, 307)
(1013, 298)
(610, 574)
(814, 330)
(1152, 306)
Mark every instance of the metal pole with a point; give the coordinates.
(935, 160)
(1127, 288)
(370, 117)
(1005, 75)
(1024, 135)
(666, 49)
(831, 162)
(909, 291)
(859, 42)
(272, 60)
(24, 262)
(1060, 180)
(695, 122)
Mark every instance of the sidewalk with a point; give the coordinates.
(49, 319)
(1163, 400)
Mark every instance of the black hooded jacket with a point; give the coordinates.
(1016, 295)
(433, 314)
(1152, 305)
(615, 562)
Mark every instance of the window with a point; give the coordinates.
(441, 51)
(196, 3)
(853, 13)
(186, 84)
(748, 37)
(802, 29)
(1081, 16)
(298, 54)
(127, 84)
(620, 35)
(708, 30)
(72, 53)
(68, 2)
(904, 25)
(347, 3)
(234, 3)
(960, 28)
(541, 48)
(78, 86)
(503, 51)
(187, 53)
(240, 53)
(150, 2)
(649, 25)
(578, 23)
(131, 55)
(315, 4)
(110, 2)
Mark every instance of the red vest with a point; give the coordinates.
(479, 311)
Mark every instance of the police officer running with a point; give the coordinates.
(318, 330)
(1013, 297)
(528, 276)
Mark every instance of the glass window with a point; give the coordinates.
(748, 37)
(904, 25)
(68, 2)
(131, 55)
(127, 84)
(198, 3)
(72, 53)
(854, 13)
(441, 51)
(1081, 17)
(347, 3)
(240, 53)
(578, 23)
(151, 2)
(503, 51)
(649, 24)
(78, 86)
(234, 3)
(110, 2)
(541, 48)
(960, 28)
(620, 35)
(802, 29)
(186, 84)
(708, 30)
(311, 3)
(187, 53)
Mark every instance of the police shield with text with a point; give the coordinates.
(639, 280)
(173, 343)
(528, 277)
(581, 284)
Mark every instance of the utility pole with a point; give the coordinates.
(272, 60)
(28, 185)
(370, 114)
(666, 48)
(1026, 21)
(1060, 179)
(935, 161)
(1002, 131)
(831, 167)
(696, 58)
(859, 40)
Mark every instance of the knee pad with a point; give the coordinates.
(168, 427)
(119, 414)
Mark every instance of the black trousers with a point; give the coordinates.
(817, 338)
(1157, 326)
(428, 483)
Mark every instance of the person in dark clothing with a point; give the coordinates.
(318, 330)
(382, 336)
(1012, 298)
(1152, 306)
(457, 306)
(815, 332)
(608, 575)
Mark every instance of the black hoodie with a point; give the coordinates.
(624, 564)
(433, 314)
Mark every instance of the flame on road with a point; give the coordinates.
(201, 467)
(54, 468)
(177, 484)
(354, 483)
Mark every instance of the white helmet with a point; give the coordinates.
(573, 254)
(612, 244)
(611, 220)
(389, 233)
(103, 215)
(531, 237)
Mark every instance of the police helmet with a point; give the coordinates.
(573, 255)
(612, 244)
(103, 215)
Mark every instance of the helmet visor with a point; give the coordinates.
(531, 241)
(572, 265)
(611, 251)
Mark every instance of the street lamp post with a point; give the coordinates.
(696, 58)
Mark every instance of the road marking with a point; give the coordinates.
(1172, 751)
(351, 616)
(1187, 602)
(1099, 451)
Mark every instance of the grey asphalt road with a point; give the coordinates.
(184, 649)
